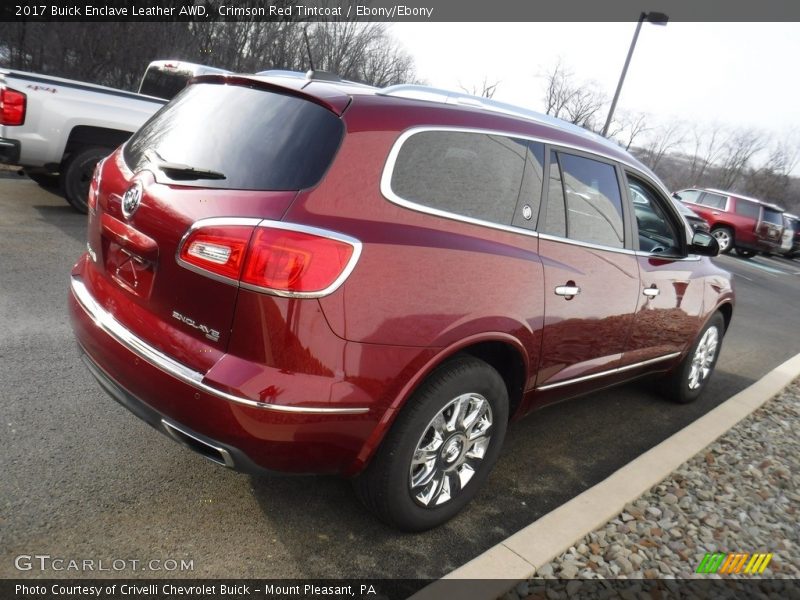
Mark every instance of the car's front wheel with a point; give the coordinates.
(441, 448)
(690, 378)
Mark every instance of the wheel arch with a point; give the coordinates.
(503, 352)
(87, 136)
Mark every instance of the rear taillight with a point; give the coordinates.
(12, 107)
(270, 256)
(217, 249)
(94, 187)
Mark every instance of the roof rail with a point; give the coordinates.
(431, 94)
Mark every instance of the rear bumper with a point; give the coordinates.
(232, 430)
(9, 151)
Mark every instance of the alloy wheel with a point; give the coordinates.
(703, 359)
(450, 450)
(723, 239)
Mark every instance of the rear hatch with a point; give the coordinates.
(224, 149)
(770, 225)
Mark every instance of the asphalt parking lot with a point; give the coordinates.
(84, 479)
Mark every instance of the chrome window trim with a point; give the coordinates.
(256, 222)
(391, 160)
(643, 363)
(105, 321)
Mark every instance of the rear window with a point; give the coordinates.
(773, 216)
(163, 84)
(258, 140)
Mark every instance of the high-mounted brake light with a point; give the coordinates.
(270, 256)
(12, 106)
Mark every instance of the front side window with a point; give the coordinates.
(688, 196)
(657, 232)
(476, 175)
(593, 201)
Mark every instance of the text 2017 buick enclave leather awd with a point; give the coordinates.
(312, 276)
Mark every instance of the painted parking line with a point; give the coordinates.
(752, 264)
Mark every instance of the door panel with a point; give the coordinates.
(667, 322)
(585, 334)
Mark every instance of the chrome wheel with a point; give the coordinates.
(450, 450)
(703, 359)
(723, 239)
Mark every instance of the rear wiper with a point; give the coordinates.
(180, 171)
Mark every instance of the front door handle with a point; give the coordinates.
(568, 291)
(651, 292)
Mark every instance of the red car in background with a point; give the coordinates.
(304, 275)
(745, 224)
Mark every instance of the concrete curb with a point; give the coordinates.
(518, 556)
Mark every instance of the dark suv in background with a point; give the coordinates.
(738, 222)
(332, 278)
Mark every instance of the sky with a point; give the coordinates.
(734, 74)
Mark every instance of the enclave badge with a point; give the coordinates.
(131, 200)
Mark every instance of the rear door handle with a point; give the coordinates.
(568, 291)
(651, 292)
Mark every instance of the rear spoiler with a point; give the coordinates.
(325, 95)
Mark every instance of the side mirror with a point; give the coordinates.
(676, 195)
(704, 244)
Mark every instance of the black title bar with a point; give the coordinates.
(396, 10)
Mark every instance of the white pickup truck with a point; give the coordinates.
(58, 129)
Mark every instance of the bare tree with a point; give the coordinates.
(662, 141)
(566, 98)
(485, 89)
(359, 51)
(772, 180)
(737, 151)
(706, 150)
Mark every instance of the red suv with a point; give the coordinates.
(313, 276)
(739, 222)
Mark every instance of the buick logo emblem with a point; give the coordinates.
(131, 200)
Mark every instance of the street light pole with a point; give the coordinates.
(656, 19)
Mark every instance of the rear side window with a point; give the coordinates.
(475, 175)
(592, 199)
(713, 200)
(747, 209)
(258, 140)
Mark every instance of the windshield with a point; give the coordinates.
(257, 140)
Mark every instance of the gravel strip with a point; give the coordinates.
(741, 494)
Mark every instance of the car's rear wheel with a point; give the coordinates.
(690, 378)
(77, 175)
(441, 448)
(744, 253)
(724, 237)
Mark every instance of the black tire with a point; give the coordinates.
(76, 175)
(678, 382)
(385, 486)
(46, 180)
(744, 253)
(725, 238)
